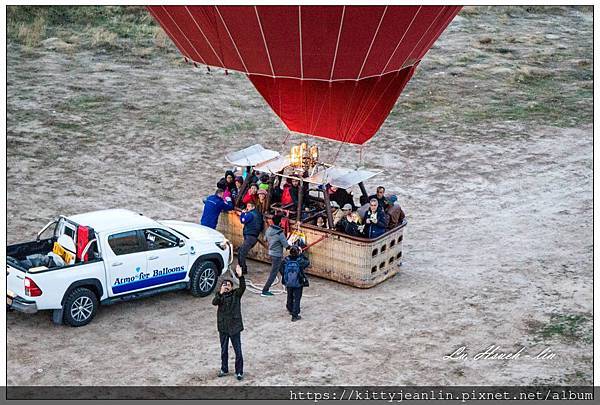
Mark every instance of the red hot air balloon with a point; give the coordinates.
(330, 71)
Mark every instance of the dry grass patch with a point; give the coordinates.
(103, 38)
(31, 34)
(161, 39)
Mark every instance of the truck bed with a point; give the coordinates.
(20, 251)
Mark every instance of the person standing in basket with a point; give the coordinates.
(375, 222)
(294, 280)
(229, 322)
(253, 225)
(277, 242)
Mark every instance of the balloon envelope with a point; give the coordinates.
(328, 71)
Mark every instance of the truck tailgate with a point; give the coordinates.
(15, 282)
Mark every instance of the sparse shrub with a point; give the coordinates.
(103, 38)
(32, 33)
(531, 73)
(471, 10)
(161, 39)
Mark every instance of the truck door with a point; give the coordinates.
(126, 262)
(167, 261)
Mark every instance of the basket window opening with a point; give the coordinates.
(383, 248)
(400, 238)
(373, 269)
(399, 255)
(392, 259)
(374, 253)
(392, 243)
(381, 265)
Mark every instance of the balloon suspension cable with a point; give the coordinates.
(360, 155)
(287, 137)
(337, 153)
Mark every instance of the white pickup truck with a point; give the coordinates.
(108, 256)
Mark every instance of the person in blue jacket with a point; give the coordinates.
(374, 220)
(213, 206)
(253, 226)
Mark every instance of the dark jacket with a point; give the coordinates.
(375, 230)
(295, 193)
(342, 197)
(213, 206)
(229, 313)
(348, 227)
(253, 223)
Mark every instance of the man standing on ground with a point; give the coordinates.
(229, 323)
(253, 225)
(213, 206)
(293, 279)
(277, 242)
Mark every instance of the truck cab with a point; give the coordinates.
(107, 256)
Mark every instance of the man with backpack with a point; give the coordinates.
(294, 280)
(253, 225)
(277, 242)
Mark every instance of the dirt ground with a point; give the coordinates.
(489, 150)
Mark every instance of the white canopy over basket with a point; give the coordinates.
(270, 161)
(341, 177)
(251, 156)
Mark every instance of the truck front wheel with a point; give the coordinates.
(203, 278)
(80, 307)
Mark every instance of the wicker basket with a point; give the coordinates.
(358, 262)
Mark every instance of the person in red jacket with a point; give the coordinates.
(251, 195)
(286, 194)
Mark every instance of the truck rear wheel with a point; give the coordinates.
(203, 278)
(80, 307)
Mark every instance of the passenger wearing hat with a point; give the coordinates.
(261, 203)
(395, 215)
(348, 223)
(229, 322)
(337, 213)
